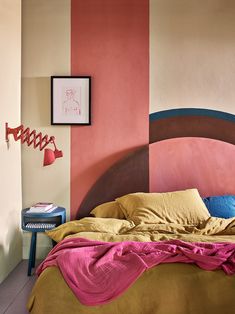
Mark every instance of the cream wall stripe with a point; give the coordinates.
(192, 50)
(46, 52)
(10, 160)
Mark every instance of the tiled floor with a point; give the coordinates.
(14, 290)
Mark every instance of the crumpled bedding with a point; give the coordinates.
(98, 272)
(110, 230)
(165, 289)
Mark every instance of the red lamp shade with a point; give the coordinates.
(51, 155)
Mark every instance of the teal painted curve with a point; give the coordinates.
(191, 112)
(192, 122)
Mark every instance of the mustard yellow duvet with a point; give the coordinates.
(165, 289)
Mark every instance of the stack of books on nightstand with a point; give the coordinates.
(42, 207)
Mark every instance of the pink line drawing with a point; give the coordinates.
(71, 104)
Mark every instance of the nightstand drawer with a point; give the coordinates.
(40, 225)
(28, 222)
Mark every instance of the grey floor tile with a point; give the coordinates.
(19, 304)
(14, 290)
(15, 280)
(11, 286)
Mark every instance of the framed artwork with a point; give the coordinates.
(71, 100)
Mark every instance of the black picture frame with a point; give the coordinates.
(70, 100)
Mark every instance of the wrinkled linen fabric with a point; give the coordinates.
(98, 272)
(109, 230)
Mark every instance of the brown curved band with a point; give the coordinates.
(192, 126)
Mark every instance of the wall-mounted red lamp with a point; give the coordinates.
(20, 133)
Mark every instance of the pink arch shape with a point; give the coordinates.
(182, 163)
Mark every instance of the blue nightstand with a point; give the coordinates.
(39, 222)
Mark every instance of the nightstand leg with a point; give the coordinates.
(32, 253)
(34, 250)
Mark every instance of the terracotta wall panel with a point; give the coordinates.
(110, 42)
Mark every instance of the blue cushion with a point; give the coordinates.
(221, 206)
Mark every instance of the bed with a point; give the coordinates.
(173, 288)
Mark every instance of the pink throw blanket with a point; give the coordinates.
(98, 272)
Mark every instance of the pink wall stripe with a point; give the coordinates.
(183, 163)
(110, 42)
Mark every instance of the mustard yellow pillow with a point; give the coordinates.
(181, 207)
(108, 210)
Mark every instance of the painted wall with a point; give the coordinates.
(10, 159)
(192, 52)
(46, 52)
(110, 42)
(191, 65)
(182, 163)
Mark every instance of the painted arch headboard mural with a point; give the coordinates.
(174, 161)
(193, 122)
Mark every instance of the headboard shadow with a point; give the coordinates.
(128, 175)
